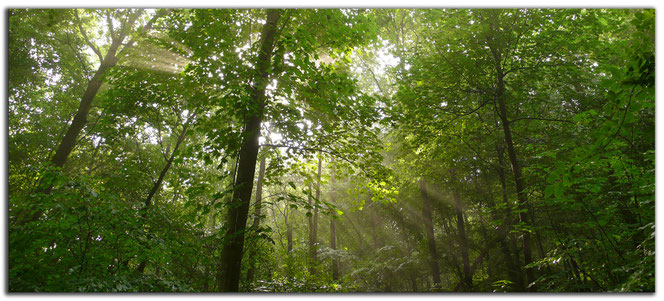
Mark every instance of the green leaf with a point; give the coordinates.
(558, 190)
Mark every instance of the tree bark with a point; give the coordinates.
(231, 254)
(289, 236)
(333, 246)
(513, 269)
(312, 241)
(461, 231)
(162, 175)
(375, 224)
(333, 237)
(428, 227)
(320, 163)
(289, 244)
(68, 142)
(257, 220)
(313, 225)
(516, 170)
(499, 97)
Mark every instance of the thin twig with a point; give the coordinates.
(309, 149)
(87, 39)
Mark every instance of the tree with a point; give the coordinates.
(475, 150)
(231, 255)
(428, 224)
(106, 62)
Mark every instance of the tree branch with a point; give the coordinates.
(543, 119)
(308, 149)
(109, 22)
(145, 28)
(87, 39)
(373, 75)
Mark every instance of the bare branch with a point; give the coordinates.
(87, 39)
(543, 119)
(309, 149)
(145, 28)
(373, 75)
(109, 22)
(75, 51)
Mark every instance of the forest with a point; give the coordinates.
(331, 150)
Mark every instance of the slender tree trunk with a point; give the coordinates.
(231, 254)
(320, 163)
(313, 224)
(413, 281)
(388, 280)
(428, 227)
(333, 236)
(162, 175)
(538, 237)
(312, 242)
(488, 268)
(257, 219)
(289, 245)
(375, 225)
(463, 241)
(80, 119)
(518, 177)
(360, 238)
(206, 279)
(513, 268)
(68, 142)
(408, 240)
(289, 232)
(333, 246)
(157, 185)
(489, 203)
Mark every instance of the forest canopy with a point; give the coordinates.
(331, 150)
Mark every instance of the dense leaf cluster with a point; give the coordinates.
(490, 150)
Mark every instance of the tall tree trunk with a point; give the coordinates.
(68, 142)
(461, 231)
(484, 197)
(374, 234)
(360, 238)
(375, 225)
(408, 238)
(312, 241)
(206, 279)
(289, 245)
(257, 218)
(428, 227)
(289, 236)
(313, 225)
(333, 246)
(413, 281)
(512, 262)
(518, 177)
(231, 254)
(80, 119)
(320, 164)
(333, 236)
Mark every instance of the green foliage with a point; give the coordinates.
(398, 105)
